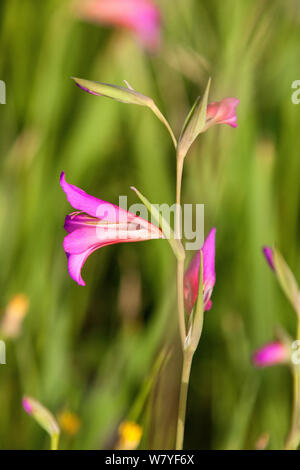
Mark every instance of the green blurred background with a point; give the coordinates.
(92, 350)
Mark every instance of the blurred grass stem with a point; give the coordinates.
(162, 119)
(293, 439)
(185, 377)
(54, 442)
(180, 262)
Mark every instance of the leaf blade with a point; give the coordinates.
(286, 280)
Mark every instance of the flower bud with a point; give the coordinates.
(271, 354)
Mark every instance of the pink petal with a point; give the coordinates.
(222, 112)
(75, 264)
(191, 277)
(140, 16)
(268, 252)
(83, 238)
(77, 260)
(270, 354)
(82, 242)
(209, 276)
(93, 206)
(26, 405)
(78, 220)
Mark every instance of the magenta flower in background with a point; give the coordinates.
(222, 112)
(26, 405)
(270, 354)
(142, 17)
(191, 277)
(268, 252)
(98, 223)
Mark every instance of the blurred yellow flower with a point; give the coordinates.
(69, 422)
(130, 434)
(13, 316)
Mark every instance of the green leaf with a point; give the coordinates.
(163, 225)
(135, 413)
(286, 280)
(194, 123)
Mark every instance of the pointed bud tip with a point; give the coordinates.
(26, 405)
(269, 255)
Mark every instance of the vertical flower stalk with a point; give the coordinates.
(192, 127)
(180, 262)
(184, 386)
(44, 418)
(201, 117)
(190, 287)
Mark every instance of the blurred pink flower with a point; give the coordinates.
(98, 223)
(222, 112)
(142, 17)
(270, 354)
(268, 252)
(191, 277)
(26, 405)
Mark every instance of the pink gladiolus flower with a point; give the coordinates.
(98, 223)
(191, 277)
(139, 16)
(268, 252)
(222, 112)
(270, 354)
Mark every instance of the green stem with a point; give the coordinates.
(180, 262)
(178, 197)
(185, 377)
(180, 300)
(293, 439)
(162, 119)
(54, 441)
